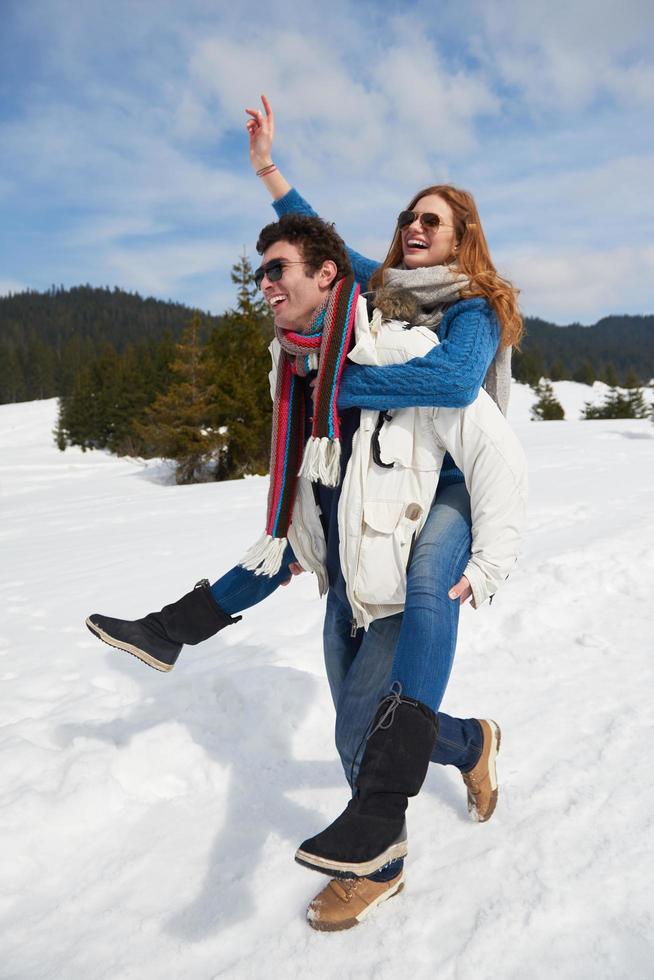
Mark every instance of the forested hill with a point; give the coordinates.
(616, 345)
(100, 315)
(46, 337)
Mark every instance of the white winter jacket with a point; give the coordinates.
(383, 508)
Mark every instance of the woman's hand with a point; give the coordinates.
(461, 591)
(261, 130)
(294, 569)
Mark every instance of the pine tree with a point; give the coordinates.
(238, 348)
(631, 379)
(585, 374)
(75, 352)
(59, 432)
(610, 376)
(637, 404)
(108, 393)
(250, 305)
(617, 405)
(13, 387)
(547, 408)
(85, 416)
(528, 366)
(177, 426)
(558, 371)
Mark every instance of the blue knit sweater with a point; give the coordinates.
(450, 376)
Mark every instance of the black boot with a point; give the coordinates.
(371, 832)
(158, 638)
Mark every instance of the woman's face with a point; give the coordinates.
(423, 246)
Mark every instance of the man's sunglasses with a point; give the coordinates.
(273, 269)
(426, 218)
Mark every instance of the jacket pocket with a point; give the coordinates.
(387, 534)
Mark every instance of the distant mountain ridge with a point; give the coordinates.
(626, 342)
(46, 338)
(94, 313)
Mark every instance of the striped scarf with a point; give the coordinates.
(324, 347)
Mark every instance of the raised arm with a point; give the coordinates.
(261, 130)
(450, 376)
(286, 200)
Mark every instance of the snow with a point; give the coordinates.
(572, 395)
(148, 821)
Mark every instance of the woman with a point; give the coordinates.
(440, 229)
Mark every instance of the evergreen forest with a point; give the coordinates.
(180, 384)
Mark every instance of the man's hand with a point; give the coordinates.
(262, 131)
(294, 569)
(461, 591)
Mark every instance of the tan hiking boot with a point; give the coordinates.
(344, 902)
(482, 779)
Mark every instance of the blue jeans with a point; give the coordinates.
(240, 588)
(359, 671)
(427, 639)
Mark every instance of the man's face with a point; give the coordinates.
(297, 295)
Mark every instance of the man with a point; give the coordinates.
(303, 259)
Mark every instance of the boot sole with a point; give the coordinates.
(492, 772)
(141, 655)
(343, 869)
(355, 920)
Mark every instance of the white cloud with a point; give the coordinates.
(8, 286)
(583, 285)
(323, 112)
(431, 109)
(396, 106)
(566, 55)
(167, 270)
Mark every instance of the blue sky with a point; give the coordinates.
(124, 154)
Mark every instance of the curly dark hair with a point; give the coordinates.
(317, 240)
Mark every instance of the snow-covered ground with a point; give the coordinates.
(148, 821)
(572, 396)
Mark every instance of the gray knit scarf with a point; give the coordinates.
(421, 297)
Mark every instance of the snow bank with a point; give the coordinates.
(149, 821)
(572, 395)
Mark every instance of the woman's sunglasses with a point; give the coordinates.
(426, 218)
(273, 269)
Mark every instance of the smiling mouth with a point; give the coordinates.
(416, 243)
(276, 300)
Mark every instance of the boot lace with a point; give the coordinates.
(345, 888)
(390, 705)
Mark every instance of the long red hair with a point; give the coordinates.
(472, 258)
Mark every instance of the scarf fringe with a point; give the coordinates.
(321, 462)
(265, 556)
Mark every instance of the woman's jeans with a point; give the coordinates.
(415, 648)
(240, 588)
(427, 641)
